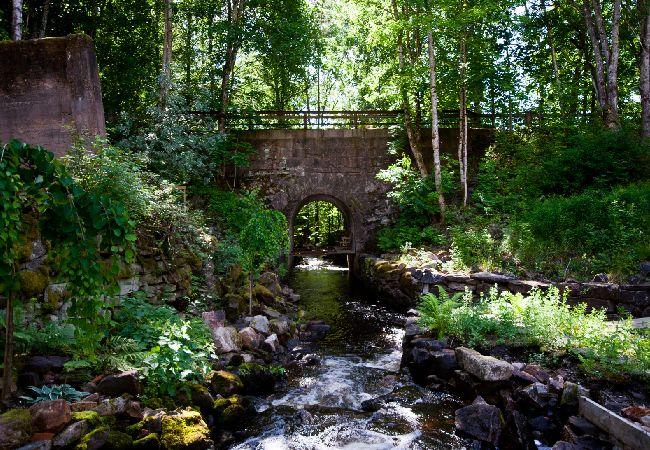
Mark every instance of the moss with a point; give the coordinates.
(55, 297)
(149, 442)
(185, 431)
(33, 282)
(19, 423)
(153, 403)
(232, 416)
(221, 404)
(225, 383)
(92, 417)
(94, 439)
(118, 441)
(262, 293)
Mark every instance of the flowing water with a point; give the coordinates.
(320, 407)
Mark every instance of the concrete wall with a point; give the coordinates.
(50, 91)
(293, 167)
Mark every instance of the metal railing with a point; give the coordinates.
(448, 118)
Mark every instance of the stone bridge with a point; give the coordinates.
(295, 167)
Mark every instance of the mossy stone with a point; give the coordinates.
(94, 440)
(92, 417)
(149, 442)
(263, 294)
(118, 441)
(15, 428)
(185, 431)
(232, 416)
(33, 282)
(225, 383)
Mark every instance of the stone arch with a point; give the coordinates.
(346, 210)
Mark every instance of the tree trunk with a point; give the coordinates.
(411, 132)
(9, 348)
(644, 66)
(17, 20)
(235, 14)
(435, 134)
(167, 54)
(462, 133)
(606, 55)
(44, 18)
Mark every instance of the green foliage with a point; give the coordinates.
(82, 226)
(156, 205)
(320, 224)
(169, 350)
(418, 203)
(55, 392)
(263, 239)
(543, 320)
(181, 147)
(435, 310)
(253, 235)
(175, 360)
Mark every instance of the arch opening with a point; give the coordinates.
(321, 224)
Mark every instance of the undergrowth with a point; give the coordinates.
(544, 320)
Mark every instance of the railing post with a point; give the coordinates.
(304, 115)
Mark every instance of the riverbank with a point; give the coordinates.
(401, 286)
(513, 404)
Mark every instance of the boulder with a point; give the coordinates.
(536, 395)
(536, 371)
(94, 440)
(112, 406)
(480, 421)
(185, 430)
(121, 383)
(226, 340)
(485, 368)
(214, 319)
(149, 442)
(258, 380)
(279, 326)
(250, 339)
(260, 324)
(270, 281)
(271, 344)
(15, 428)
(82, 406)
(71, 434)
(50, 416)
(225, 383)
(232, 412)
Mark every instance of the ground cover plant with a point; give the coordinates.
(542, 320)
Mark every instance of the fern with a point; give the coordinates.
(436, 311)
(119, 354)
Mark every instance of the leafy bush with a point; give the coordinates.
(544, 320)
(169, 350)
(182, 147)
(163, 220)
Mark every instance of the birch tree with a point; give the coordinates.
(435, 135)
(606, 48)
(17, 20)
(643, 7)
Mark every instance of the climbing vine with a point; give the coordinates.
(82, 229)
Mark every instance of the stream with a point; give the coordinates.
(320, 407)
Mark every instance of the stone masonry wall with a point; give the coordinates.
(402, 286)
(50, 92)
(293, 167)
